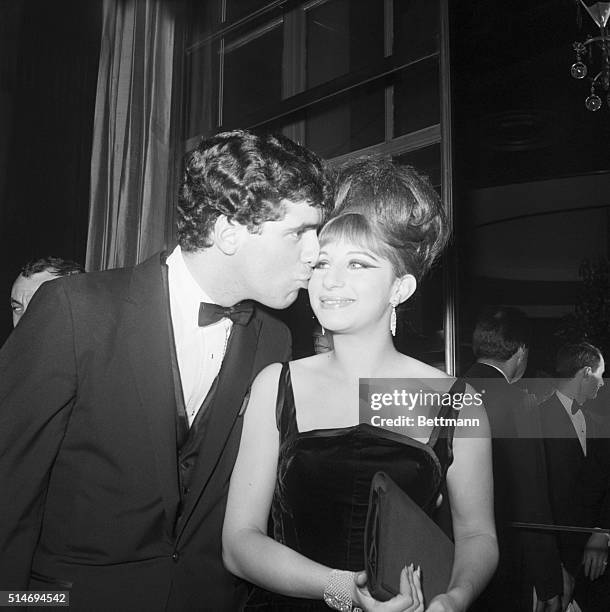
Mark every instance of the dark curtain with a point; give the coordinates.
(132, 160)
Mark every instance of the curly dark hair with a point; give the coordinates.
(401, 215)
(499, 332)
(573, 357)
(54, 265)
(245, 176)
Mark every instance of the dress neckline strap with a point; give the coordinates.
(447, 412)
(285, 410)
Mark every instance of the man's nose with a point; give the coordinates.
(310, 248)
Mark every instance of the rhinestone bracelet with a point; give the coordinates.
(338, 590)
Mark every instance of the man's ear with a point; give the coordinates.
(228, 235)
(582, 373)
(405, 287)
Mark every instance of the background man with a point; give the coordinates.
(122, 392)
(577, 482)
(32, 275)
(500, 344)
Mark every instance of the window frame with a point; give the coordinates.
(296, 97)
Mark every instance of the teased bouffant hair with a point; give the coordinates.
(573, 357)
(54, 265)
(499, 332)
(245, 176)
(390, 209)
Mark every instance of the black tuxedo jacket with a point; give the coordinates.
(578, 484)
(88, 464)
(527, 558)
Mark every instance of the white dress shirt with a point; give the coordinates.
(200, 350)
(578, 420)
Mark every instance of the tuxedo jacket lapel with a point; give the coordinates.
(233, 382)
(565, 426)
(148, 340)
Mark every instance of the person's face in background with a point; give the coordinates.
(23, 289)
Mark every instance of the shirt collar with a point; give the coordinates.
(185, 292)
(565, 400)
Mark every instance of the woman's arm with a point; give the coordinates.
(247, 550)
(470, 486)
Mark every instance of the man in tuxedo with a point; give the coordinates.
(122, 392)
(577, 484)
(500, 344)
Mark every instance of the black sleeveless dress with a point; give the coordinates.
(322, 490)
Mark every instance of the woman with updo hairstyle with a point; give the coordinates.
(298, 497)
(404, 210)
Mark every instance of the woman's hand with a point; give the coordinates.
(410, 598)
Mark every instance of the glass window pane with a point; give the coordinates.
(236, 9)
(420, 321)
(342, 36)
(417, 97)
(416, 28)
(276, 126)
(252, 76)
(203, 19)
(348, 122)
(426, 160)
(201, 113)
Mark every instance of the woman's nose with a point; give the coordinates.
(333, 277)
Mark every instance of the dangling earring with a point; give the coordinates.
(393, 319)
(323, 330)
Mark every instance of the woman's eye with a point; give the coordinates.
(358, 265)
(322, 264)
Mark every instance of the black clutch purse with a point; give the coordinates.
(397, 533)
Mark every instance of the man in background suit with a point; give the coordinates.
(577, 483)
(500, 344)
(31, 277)
(122, 392)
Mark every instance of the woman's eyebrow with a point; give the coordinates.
(365, 253)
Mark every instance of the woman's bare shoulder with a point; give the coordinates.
(268, 377)
(313, 364)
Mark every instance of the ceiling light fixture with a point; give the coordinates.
(593, 56)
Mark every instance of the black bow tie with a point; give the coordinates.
(575, 407)
(212, 313)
